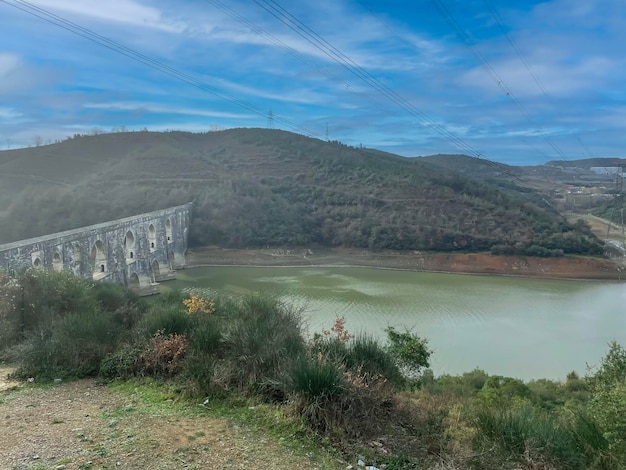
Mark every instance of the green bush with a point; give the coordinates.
(72, 346)
(166, 317)
(410, 352)
(112, 297)
(206, 334)
(261, 344)
(205, 348)
(366, 356)
(322, 397)
(607, 404)
(466, 385)
(35, 298)
(500, 390)
(527, 433)
(331, 349)
(122, 363)
(199, 370)
(121, 302)
(317, 379)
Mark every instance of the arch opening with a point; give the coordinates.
(156, 269)
(129, 246)
(57, 264)
(152, 237)
(98, 259)
(133, 281)
(37, 263)
(77, 255)
(168, 230)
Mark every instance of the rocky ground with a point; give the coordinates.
(83, 425)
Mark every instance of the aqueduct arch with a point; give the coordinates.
(152, 237)
(168, 231)
(129, 246)
(57, 264)
(98, 260)
(133, 281)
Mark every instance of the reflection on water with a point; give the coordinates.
(526, 328)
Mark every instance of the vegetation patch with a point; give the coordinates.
(186, 354)
(262, 187)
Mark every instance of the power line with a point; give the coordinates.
(90, 35)
(292, 22)
(274, 40)
(465, 38)
(495, 15)
(411, 45)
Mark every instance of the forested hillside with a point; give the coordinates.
(260, 187)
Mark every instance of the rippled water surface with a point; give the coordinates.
(526, 328)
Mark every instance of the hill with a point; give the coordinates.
(261, 187)
(587, 163)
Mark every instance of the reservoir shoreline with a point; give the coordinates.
(566, 267)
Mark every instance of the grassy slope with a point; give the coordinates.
(257, 187)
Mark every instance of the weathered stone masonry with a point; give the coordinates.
(135, 251)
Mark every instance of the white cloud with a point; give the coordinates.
(9, 113)
(151, 108)
(556, 78)
(8, 63)
(117, 11)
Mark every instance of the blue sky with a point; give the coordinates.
(520, 82)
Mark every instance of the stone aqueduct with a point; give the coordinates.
(136, 251)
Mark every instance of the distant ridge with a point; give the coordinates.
(587, 163)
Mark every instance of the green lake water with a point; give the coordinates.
(526, 328)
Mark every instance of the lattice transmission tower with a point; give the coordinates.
(270, 119)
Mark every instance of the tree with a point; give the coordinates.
(410, 352)
(608, 399)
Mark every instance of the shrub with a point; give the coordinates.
(316, 379)
(261, 343)
(608, 399)
(112, 297)
(167, 317)
(197, 304)
(72, 346)
(124, 362)
(205, 335)
(331, 348)
(410, 352)
(466, 385)
(367, 357)
(37, 297)
(334, 401)
(164, 354)
(199, 370)
(122, 303)
(500, 390)
(205, 348)
(526, 433)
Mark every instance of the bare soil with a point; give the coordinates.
(566, 267)
(83, 425)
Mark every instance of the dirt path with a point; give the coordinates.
(5, 382)
(83, 425)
